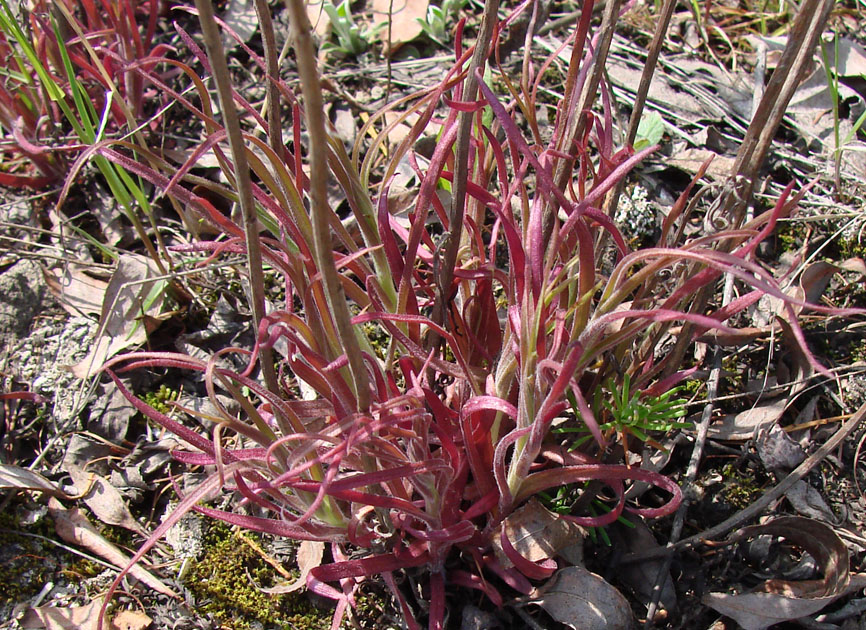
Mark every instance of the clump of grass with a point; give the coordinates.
(436, 23)
(352, 38)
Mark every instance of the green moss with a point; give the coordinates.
(790, 235)
(741, 488)
(372, 607)
(224, 582)
(852, 248)
(378, 337)
(691, 387)
(858, 351)
(27, 563)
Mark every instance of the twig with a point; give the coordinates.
(576, 125)
(323, 247)
(568, 19)
(692, 470)
(272, 97)
(804, 36)
(453, 237)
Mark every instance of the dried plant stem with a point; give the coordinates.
(266, 24)
(461, 161)
(789, 73)
(737, 194)
(314, 113)
(577, 124)
(753, 510)
(649, 69)
(217, 57)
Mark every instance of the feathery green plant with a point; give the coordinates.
(624, 412)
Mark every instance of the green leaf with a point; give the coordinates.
(650, 131)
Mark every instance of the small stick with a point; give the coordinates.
(761, 504)
(695, 460)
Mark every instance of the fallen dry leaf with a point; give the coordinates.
(116, 229)
(584, 601)
(344, 121)
(404, 20)
(82, 449)
(746, 424)
(82, 618)
(625, 75)
(309, 557)
(814, 280)
(104, 499)
(809, 503)
(110, 414)
(399, 126)
(768, 411)
(130, 620)
(776, 601)
(811, 113)
(63, 618)
(127, 297)
(73, 527)
(640, 577)
(691, 160)
(854, 264)
(797, 370)
(777, 450)
(17, 478)
(79, 293)
(535, 533)
(737, 337)
(241, 17)
(318, 18)
(851, 61)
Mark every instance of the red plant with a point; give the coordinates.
(421, 456)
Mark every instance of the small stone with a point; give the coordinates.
(23, 289)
